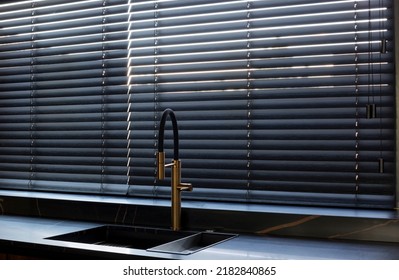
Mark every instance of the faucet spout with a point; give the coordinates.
(176, 184)
(171, 114)
(161, 135)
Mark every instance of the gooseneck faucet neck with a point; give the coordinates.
(171, 114)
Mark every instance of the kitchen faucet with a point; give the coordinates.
(176, 184)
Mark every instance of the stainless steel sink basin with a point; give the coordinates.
(150, 239)
(123, 236)
(193, 243)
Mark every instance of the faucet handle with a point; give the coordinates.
(160, 165)
(185, 187)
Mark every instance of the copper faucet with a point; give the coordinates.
(176, 184)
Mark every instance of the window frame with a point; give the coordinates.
(166, 189)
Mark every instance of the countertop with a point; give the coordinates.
(31, 233)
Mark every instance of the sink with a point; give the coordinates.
(193, 243)
(150, 239)
(123, 236)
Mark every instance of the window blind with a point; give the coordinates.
(277, 101)
(63, 95)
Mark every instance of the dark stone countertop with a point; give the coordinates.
(24, 234)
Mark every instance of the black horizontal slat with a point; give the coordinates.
(276, 62)
(69, 45)
(42, 175)
(263, 83)
(204, 146)
(65, 92)
(64, 154)
(59, 118)
(61, 60)
(260, 73)
(261, 53)
(258, 94)
(61, 143)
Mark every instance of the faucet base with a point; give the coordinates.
(177, 188)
